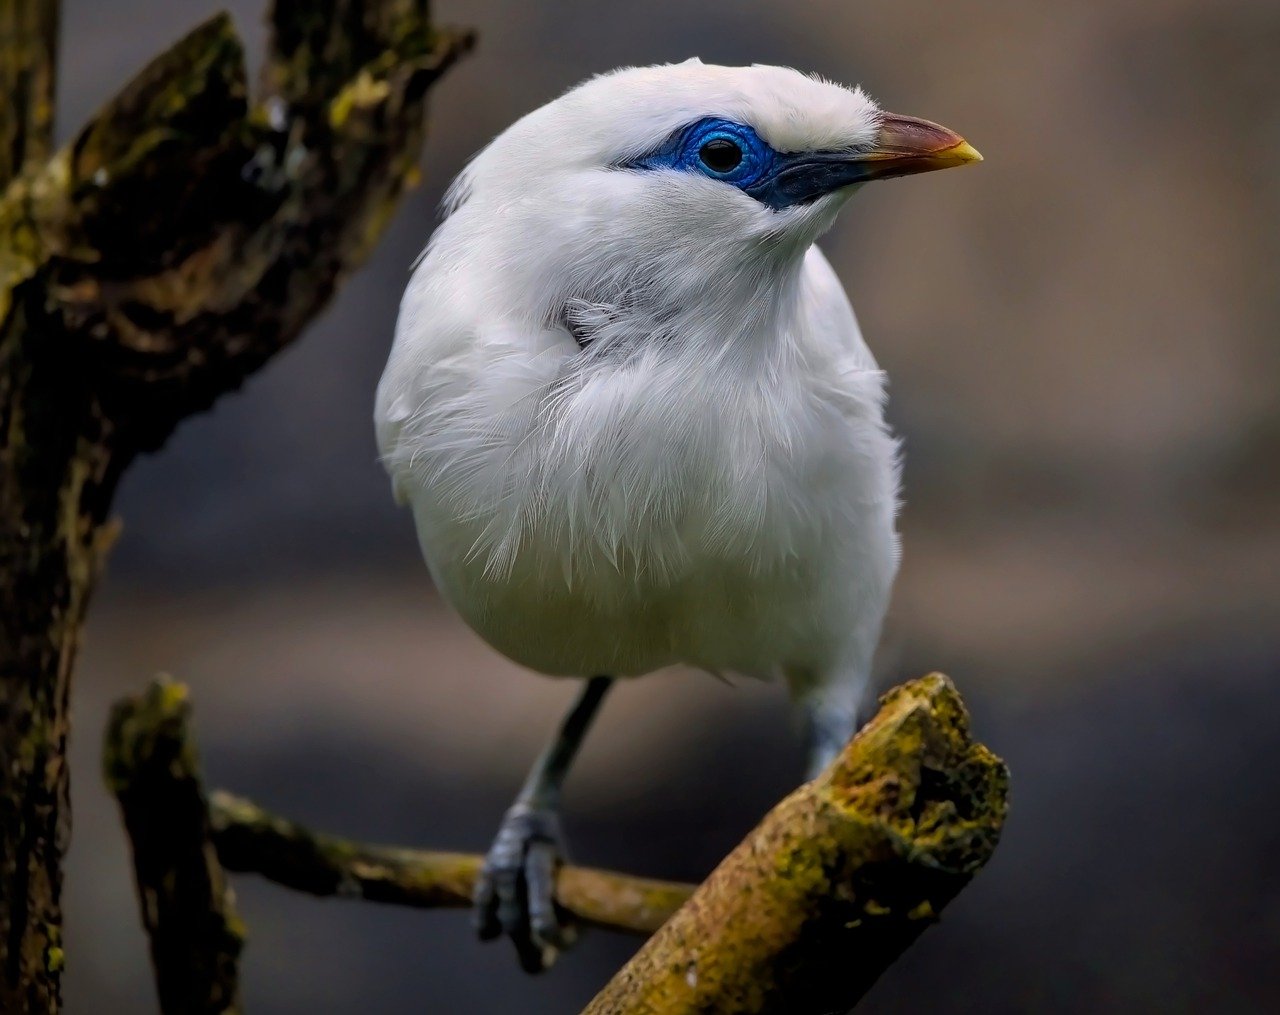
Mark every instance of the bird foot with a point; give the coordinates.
(515, 892)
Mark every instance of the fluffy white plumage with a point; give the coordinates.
(710, 480)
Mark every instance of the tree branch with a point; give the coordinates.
(801, 918)
(28, 78)
(838, 879)
(251, 840)
(151, 766)
(185, 236)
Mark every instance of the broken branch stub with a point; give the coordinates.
(838, 879)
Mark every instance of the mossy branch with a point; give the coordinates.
(838, 879)
(28, 79)
(189, 232)
(801, 918)
(151, 766)
(185, 235)
(251, 840)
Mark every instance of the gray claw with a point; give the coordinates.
(515, 893)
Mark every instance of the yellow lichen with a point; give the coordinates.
(364, 90)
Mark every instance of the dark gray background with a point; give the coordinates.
(1081, 335)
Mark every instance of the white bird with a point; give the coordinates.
(633, 414)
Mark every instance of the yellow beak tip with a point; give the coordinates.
(965, 152)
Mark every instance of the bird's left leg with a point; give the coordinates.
(832, 712)
(829, 731)
(515, 890)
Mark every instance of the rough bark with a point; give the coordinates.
(183, 839)
(251, 840)
(800, 919)
(838, 879)
(45, 563)
(188, 909)
(181, 239)
(28, 65)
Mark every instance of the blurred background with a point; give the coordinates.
(1082, 340)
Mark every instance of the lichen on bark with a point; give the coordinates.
(184, 236)
(801, 918)
(838, 879)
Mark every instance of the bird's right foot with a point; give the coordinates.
(515, 892)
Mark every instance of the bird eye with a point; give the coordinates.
(720, 155)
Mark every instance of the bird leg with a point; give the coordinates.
(515, 892)
(830, 728)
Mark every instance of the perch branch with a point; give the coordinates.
(837, 880)
(182, 840)
(251, 840)
(801, 918)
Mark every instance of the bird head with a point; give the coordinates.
(657, 179)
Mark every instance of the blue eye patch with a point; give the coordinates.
(720, 149)
(735, 154)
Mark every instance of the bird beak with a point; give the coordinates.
(907, 145)
(904, 145)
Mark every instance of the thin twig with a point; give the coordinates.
(251, 840)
